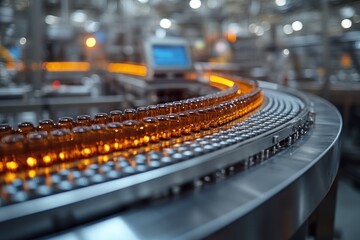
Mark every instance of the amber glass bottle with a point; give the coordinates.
(222, 114)
(213, 118)
(194, 120)
(142, 112)
(62, 145)
(116, 116)
(177, 106)
(195, 103)
(129, 114)
(116, 136)
(169, 107)
(83, 120)
(84, 142)
(13, 152)
(184, 106)
(5, 129)
(153, 110)
(201, 102)
(130, 130)
(164, 127)
(39, 152)
(25, 127)
(204, 119)
(151, 125)
(174, 126)
(185, 125)
(101, 137)
(46, 125)
(162, 109)
(101, 118)
(65, 123)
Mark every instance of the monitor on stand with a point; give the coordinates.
(167, 58)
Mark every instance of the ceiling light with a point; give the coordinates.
(280, 3)
(286, 52)
(22, 41)
(297, 25)
(195, 4)
(50, 19)
(346, 23)
(79, 17)
(165, 23)
(287, 29)
(259, 31)
(90, 42)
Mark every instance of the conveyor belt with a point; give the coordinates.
(78, 195)
(269, 201)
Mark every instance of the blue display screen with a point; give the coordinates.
(170, 55)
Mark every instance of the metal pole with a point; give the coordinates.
(325, 40)
(65, 10)
(36, 44)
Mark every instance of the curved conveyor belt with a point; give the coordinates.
(259, 179)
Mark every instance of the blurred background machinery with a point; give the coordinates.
(308, 45)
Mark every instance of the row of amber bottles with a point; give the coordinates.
(41, 148)
(198, 105)
(104, 134)
(48, 143)
(128, 114)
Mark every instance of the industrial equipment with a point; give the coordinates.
(216, 165)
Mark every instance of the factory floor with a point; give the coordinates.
(347, 219)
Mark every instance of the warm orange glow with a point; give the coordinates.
(90, 42)
(12, 165)
(10, 65)
(231, 37)
(116, 146)
(18, 66)
(245, 87)
(346, 61)
(105, 158)
(47, 170)
(62, 155)
(66, 66)
(127, 68)
(31, 162)
(146, 139)
(86, 151)
(47, 159)
(136, 142)
(221, 80)
(9, 177)
(106, 147)
(32, 173)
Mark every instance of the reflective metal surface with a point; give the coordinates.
(268, 201)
